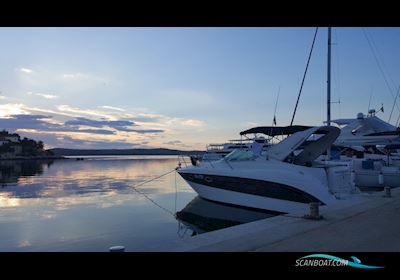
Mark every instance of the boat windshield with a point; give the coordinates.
(237, 155)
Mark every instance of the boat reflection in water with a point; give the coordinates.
(201, 215)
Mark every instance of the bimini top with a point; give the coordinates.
(313, 150)
(276, 130)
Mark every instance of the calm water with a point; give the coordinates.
(90, 205)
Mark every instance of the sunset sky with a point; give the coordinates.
(182, 88)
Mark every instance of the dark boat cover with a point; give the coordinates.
(276, 130)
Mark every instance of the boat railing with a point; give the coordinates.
(215, 147)
(182, 157)
(223, 146)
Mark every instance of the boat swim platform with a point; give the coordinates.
(371, 224)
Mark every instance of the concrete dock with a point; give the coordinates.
(370, 225)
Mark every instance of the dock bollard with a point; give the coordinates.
(314, 212)
(387, 192)
(353, 178)
(117, 249)
(380, 179)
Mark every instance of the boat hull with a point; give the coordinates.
(248, 200)
(255, 193)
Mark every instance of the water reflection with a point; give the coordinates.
(74, 179)
(12, 170)
(89, 205)
(202, 215)
(92, 204)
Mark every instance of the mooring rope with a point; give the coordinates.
(151, 200)
(176, 192)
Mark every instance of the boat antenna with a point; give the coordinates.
(304, 76)
(370, 97)
(276, 105)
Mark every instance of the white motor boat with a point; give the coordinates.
(369, 136)
(373, 174)
(366, 131)
(376, 144)
(284, 179)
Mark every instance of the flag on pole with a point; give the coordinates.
(274, 121)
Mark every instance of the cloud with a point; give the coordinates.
(71, 84)
(25, 122)
(177, 143)
(161, 121)
(72, 76)
(83, 80)
(95, 131)
(38, 122)
(43, 123)
(30, 117)
(71, 142)
(84, 112)
(252, 124)
(192, 122)
(148, 118)
(112, 108)
(119, 125)
(26, 70)
(24, 243)
(103, 126)
(12, 109)
(147, 130)
(174, 142)
(47, 96)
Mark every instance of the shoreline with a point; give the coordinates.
(33, 158)
(72, 157)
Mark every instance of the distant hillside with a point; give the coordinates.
(159, 151)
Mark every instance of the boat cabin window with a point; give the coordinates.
(238, 155)
(309, 150)
(238, 147)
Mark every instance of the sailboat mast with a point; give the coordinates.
(328, 99)
(328, 116)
